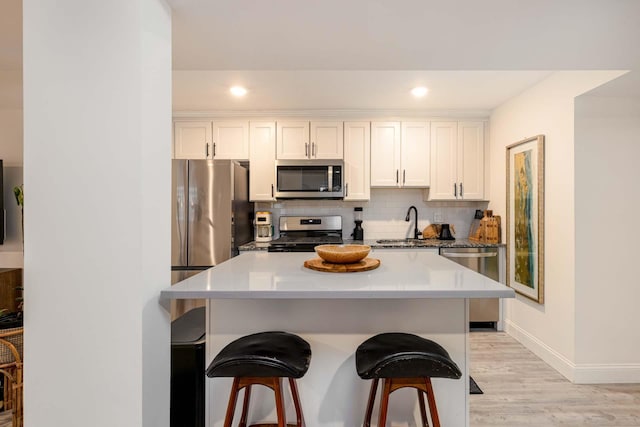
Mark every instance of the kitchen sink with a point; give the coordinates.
(405, 241)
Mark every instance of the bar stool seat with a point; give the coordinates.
(403, 360)
(264, 359)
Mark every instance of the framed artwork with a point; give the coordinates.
(525, 217)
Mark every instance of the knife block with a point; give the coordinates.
(488, 230)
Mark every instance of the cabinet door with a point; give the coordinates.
(231, 140)
(293, 140)
(262, 158)
(191, 140)
(471, 160)
(415, 154)
(326, 140)
(385, 154)
(444, 143)
(357, 158)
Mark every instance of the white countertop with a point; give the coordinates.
(406, 274)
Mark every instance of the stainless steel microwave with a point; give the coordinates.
(309, 179)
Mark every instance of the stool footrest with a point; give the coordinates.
(270, 425)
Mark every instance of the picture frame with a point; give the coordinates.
(525, 217)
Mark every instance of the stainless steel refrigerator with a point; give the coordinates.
(211, 214)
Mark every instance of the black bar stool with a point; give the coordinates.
(264, 359)
(403, 360)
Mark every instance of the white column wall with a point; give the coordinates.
(97, 116)
(547, 108)
(607, 234)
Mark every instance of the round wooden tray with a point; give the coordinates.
(365, 265)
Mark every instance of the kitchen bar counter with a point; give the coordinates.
(396, 244)
(412, 274)
(412, 291)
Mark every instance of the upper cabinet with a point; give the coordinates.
(191, 140)
(357, 160)
(400, 160)
(262, 172)
(457, 161)
(309, 140)
(415, 154)
(211, 140)
(230, 140)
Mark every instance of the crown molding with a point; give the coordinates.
(337, 114)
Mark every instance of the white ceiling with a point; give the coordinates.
(367, 54)
(477, 91)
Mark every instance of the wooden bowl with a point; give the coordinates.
(342, 254)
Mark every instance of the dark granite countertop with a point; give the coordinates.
(397, 244)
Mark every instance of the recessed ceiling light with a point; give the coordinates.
(238, 91)
(419, 91)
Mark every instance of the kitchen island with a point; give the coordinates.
(412, 291)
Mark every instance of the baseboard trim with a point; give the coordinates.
(580, 373)
(607, 374)
(557, 361)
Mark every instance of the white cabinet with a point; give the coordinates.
(326, 140)
(385, 154)
(414, 157)
(211, 140)
(357, 158)
(309, 140)
(457, 161)
(191, 140)
(262, 157)
(230, 140)
(400, 161)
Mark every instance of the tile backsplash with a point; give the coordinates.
(384, 214)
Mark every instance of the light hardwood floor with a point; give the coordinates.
(522, 390)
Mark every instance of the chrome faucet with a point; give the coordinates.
(416, 233)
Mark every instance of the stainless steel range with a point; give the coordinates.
(303, 233)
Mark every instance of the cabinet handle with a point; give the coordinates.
(214, 149)
(404, 176)
(397, 171)
(206, 150)
(272, 191)
(313, 149)
(306, 149)
(461, 194)
(455, 190)
(346, 189)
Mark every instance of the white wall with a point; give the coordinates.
(607, 149)
(97, 113)
(384, 214)
(548, 109)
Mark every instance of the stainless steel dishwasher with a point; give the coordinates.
(483, 312)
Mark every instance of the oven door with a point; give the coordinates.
(309, 179)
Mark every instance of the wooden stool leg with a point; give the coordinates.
(432, 403)
(372, 397)
(384, 402)
(245, 406)
(231, 407)
(280, 409)
(296, 403)
(423, 410)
